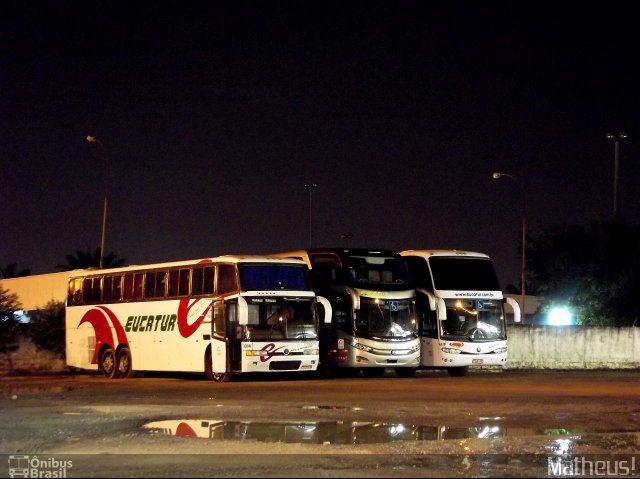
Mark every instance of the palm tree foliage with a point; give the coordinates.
(88, 259)
(11, 271)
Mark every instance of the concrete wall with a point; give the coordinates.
(35, 291)
(572, 347)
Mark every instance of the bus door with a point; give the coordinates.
(227, 347)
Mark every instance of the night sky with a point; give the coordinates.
(215, 114)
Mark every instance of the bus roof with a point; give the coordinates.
(427, 253)
(218, 259)
(342, 252)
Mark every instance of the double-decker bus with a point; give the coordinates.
(218, 316)
(374, 323)
(461, 315)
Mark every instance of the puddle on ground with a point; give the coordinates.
(339, 432)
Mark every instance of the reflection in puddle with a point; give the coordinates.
(328, 432)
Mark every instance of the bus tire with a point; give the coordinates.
(406, 372)
(108, 363)
(123, 364)
(458, 371)
(221, 377)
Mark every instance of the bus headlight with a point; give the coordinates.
(500, 350)
(256, 353)
(311, 352)
(450, 350)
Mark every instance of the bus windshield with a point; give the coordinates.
(261, 277)
(271, 319)
(463, 274)
(474, 320)
(390, 319)
(365, 269)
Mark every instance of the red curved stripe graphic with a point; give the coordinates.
(122, 336)
(184, 327)
(184, 429)
(98, 320)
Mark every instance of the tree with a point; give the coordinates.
(11, 271)
(46, 327)
(595, 270)
(9, 324)
(85, 260)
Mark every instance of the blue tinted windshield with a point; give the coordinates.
(473, 274)
(258, 277)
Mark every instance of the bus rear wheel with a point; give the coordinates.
(221, 377)
(108, 363)
(124, 363)
(458, 371)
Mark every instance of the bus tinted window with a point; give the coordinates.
(112, 288)
(378, 269)
(254, 277)
(91, 290)
(467, 274)
(227, 279)
(133, 285)
(154, 284)
(179, 282)
(202, 280)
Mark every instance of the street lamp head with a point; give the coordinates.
(618, 136)
(497, 175)
(91, 139)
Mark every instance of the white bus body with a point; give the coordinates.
(460, 307)
(373, 324)
(217, 316)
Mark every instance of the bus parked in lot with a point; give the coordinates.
(218, 316)
(374, 323)
(460, 309)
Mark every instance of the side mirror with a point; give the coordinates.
(327, 308)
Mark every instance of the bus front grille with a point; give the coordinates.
(284, 365)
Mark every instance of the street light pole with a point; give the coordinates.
(93, 139)
(616, 150)
(523, 263)
(310, 186)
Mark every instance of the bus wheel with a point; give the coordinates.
(221, 377)
(124, 363)
(405, 372)
(373, 372)
(108, 363)
(458, 371)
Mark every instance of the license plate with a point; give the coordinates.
(477, 361)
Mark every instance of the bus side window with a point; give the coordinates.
(138, 285)
(227, 279)
(75, 292)
(128, 286)
(91, 290)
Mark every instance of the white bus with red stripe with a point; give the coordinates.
(461, 315)
(217, 316)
